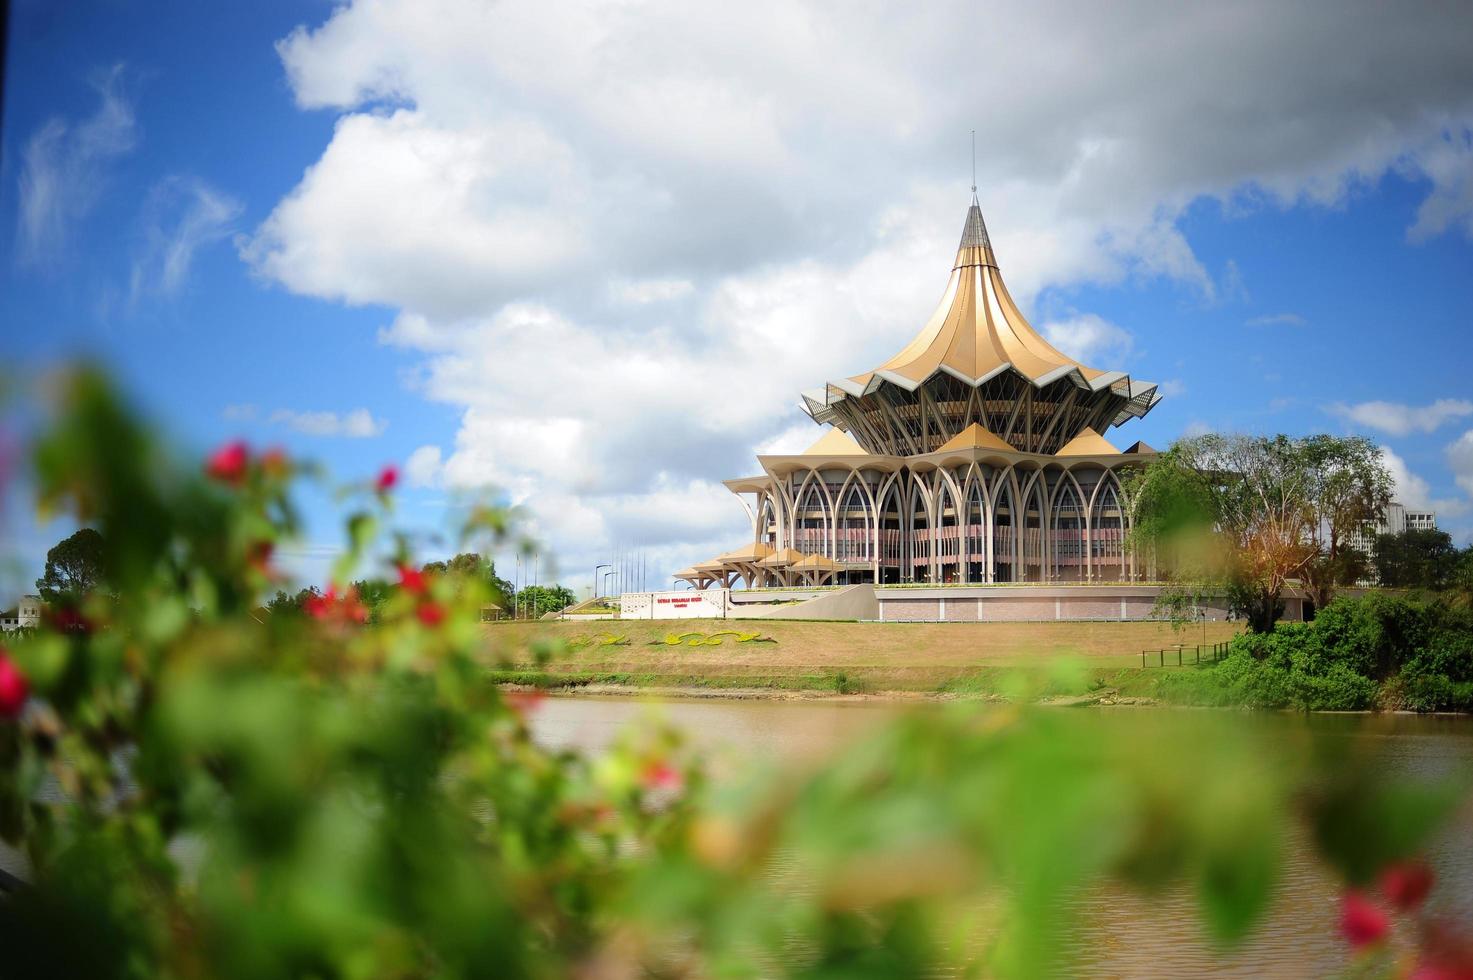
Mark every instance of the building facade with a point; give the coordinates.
(1399, 519)
(974, 455)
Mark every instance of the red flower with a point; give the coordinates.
(1447, 954)
(67, 620)
(353, 608)
(411, 580)
(430, 613)
(1406, 884)
(13, 687)
(523, 702)
(1362, 922)
(387, 477)
(661, 775)
(228, 463)
(319, 604)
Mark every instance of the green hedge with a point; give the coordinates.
(1381, 651)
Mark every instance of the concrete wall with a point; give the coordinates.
(850, 602)
(1030, 603)
(682, 604)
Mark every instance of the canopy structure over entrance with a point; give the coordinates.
(977, 361)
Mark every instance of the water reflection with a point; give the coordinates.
(1124, 934)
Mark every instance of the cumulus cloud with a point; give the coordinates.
(181, 216)
(1397, 419)
(1410, 489)
(1091, 340)
(1460, 460)
(356, 424)
(64, 167)
(1414, 491)
(623, 238)
(422, 468)
(1277, 320)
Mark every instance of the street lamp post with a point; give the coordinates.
(595, 577)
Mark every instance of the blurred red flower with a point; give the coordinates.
(387, 478)
(13, 687)
(430, 613)
(1362, 922)
(523, 702)
(411, 580)
(228, 463)
(661, 775)
(319, 604)
(1407, 884)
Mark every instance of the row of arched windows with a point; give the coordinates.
(1049, 525)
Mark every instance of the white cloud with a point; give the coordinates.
(1091, 340)
(1460, 460)
(1397, 419)
(1277, 320)
(422, 468)
(181, 216)
(1172, 388)
(1410, 489)
(244, 412)
(356, 424)
(1414, 491)
(650, 290)
(64, 168)
(624, 238)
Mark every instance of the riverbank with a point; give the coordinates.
(789, 660)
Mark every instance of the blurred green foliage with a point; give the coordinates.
(206, 791)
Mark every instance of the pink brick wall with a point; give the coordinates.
(1017, 609)
(961, 610)
(902, 609)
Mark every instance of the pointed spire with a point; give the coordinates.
(975, 247)
(974, 233)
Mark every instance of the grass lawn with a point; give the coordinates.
(958, 657)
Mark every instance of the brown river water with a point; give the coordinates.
(1123, 934)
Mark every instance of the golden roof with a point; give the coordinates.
(835, 442)
(977, 329)
(974, 436)
(977, 332)
(751, 553)
(787, 556)
(816, 562)
(1088, 443)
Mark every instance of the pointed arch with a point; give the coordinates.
(1005, 530)
(890, 531)
(854, 521)
(1032, 525)
(1066, 530)
(1107, 525)
(918, 533)
(974, 530)
(947, 531)
(812, 518)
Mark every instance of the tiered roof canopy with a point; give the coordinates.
(977, 337)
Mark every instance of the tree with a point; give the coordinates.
(1349, 487)
(1416, 559)
(470, 566)
(73, 568)
(538, 600)
(1248, 514)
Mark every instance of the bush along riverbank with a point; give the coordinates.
(1380, 652)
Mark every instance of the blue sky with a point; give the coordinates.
(588, 255)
